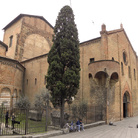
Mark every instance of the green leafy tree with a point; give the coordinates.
(42, 100)
(64, 68)
(23, 103)
(79, 110)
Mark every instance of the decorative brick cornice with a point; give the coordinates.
(34, 58)
(3, 44)
(12, 63)
(96, 40)
(103, 61)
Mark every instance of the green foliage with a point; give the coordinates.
(23, 103)
(42, 99)
(82, 109)
(21, 117)
(64, 67)
(1, 110)
(79, 110)
(74, 109)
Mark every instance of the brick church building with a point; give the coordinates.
(108, 66)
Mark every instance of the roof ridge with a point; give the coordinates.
(115, 31)
(21, 15)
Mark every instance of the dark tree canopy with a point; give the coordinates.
(64, 67)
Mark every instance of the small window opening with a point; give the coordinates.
(122, 68)
(91, 60)
(35, 81)
(124, 56)
(112, 58)
(90, 75)
(11, 39)
(134, 74)
(129, 72)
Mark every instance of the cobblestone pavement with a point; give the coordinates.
(121, 129)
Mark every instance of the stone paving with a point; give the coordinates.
(126, 128)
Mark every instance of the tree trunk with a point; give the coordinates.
(62, 113)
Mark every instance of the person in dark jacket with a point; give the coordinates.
(6, 119)
(79, 125)
(13, 120)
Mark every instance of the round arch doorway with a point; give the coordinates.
(126, 105)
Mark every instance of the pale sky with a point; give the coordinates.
(89, 15)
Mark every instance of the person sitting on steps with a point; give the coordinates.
(79, 125)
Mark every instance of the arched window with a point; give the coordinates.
(101, 77)
(90, 75)
(114, 79)
(5, 97)
(125, 58)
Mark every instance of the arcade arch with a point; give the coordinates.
(5, 97)
(126, 105)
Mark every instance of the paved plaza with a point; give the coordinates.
(121, 129)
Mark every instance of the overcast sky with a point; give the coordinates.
(89, 15)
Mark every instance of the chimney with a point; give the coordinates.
(121, 26)
(104, 43)
(103, 27)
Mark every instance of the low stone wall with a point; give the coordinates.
(55, 133)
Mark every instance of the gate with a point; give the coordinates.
(27, 121)
(9, 126)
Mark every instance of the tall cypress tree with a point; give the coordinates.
(64, 67)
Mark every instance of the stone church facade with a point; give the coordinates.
(108, 66)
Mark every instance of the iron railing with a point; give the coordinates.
(32, 120)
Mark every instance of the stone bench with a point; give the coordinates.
(35, 115)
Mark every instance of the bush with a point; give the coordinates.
(23, 103)
(82, 109)
(42, 100)
(75, 111)
(79, 110)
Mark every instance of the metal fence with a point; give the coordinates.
(26, 121)
(29, 121)
(91, 115)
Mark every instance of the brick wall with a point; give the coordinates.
(34, 81)
(11, 79)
